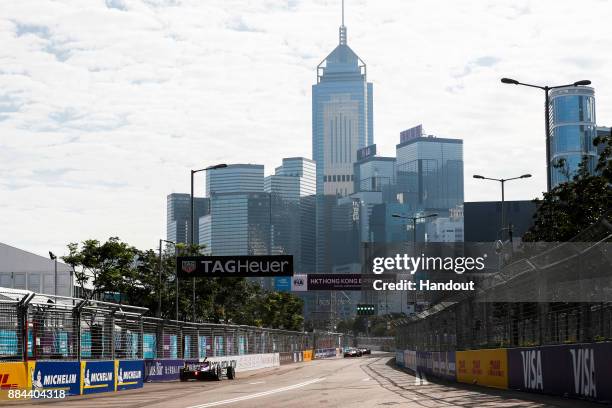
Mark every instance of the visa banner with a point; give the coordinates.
(129, 374)
(97, 376)
(483, 367)
(57, 375)
(575, 370)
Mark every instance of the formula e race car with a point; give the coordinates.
(205, 370)
(352, 352)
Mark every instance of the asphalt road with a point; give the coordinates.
(359, 382)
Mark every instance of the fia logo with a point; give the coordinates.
(188, 266)
(583, 363)
(532, 370)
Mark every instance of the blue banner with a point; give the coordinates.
(282, 283)
(149, 345)
(57, 375)
(162, 370)
(130, 374)
(97, 376)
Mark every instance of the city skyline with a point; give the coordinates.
(95, 131)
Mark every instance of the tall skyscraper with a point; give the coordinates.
(429, 172)
(240, 211)
(342, 119)
(178, 207)
(572, 129)
(235, 178)
(292, 191)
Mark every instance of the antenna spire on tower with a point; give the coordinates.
(343, 28)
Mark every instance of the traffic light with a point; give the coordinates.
(366, 310)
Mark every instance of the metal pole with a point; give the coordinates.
(159, 302)
(503, 209)
(177, 294)
(55, 279)
(414, 254)
(191, 242)
(547, 124)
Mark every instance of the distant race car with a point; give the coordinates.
(206, 371)
(352, 352)
(365, 351)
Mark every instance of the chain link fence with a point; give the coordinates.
(560, 294)
(42, 327)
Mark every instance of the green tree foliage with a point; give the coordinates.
(573, 206)
(118, 268)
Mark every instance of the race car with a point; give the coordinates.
(365, 351)
(352, 352)
(206, 371)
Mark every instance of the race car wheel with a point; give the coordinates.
(219, 373)
(231, 373)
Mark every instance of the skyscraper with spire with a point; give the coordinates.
(341, 117)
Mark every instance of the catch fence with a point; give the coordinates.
(559, 295)
(44, 327)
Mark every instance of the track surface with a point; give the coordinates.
(360, 382)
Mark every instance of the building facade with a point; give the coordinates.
(429, 172)
(572, 130)
(178, 208)
(342, 117)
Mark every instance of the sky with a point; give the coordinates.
(105, 105)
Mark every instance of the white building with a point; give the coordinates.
(20, 269)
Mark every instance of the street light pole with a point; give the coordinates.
(546, 90)
(192, 234)
(54, 258)
(502, 182)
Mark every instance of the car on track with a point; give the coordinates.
(352, 352)
(204, 370)
(365, 350)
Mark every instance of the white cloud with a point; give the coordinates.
(106, 105)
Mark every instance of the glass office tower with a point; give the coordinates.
(178, 206)
(572, 130)
(429, 172)
(292, 191)
(234, 178)
(341, 117)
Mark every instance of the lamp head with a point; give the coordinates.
(510, 81)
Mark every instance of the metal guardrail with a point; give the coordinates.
(543, 299)
(43, 327)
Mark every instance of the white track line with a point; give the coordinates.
(257, 395)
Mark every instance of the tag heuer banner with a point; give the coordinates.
(234, 266)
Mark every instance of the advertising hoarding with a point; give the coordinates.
(97, 376)
(484, 367)
(577, 370)
(129, 374)
(57, 375)
(162, 370)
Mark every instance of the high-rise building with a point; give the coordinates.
(342, 117)
(572, 130)
(240, 211)
(178, 207)
(602, 131)
(373, 173)
(238, 224)
(292, 190)
(235, 178)
(429, 172)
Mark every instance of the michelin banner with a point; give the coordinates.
(57, 375)
(97, 376)
(163, 370)
(579, 370)
(129, 374)
(483, 367)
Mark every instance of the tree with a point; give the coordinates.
(108, 266)
(573, 206)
